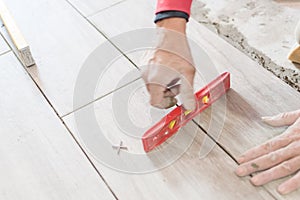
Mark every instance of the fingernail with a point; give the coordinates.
(240, 171)
(241, 159)
(255, 181)
(266, 118)
(282, 189)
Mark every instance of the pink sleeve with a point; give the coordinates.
(176, 5)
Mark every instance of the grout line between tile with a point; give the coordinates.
(96, 12)
(229, 154)
(103, 34)
(61, 120)
(98, 98)
(5, 52)
(61, 117)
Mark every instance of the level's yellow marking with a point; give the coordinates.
(205, 99)
(187, 112)
(172, 124)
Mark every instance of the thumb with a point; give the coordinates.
(187, 92)
(282, 119)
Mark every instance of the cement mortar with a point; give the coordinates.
(264, 30)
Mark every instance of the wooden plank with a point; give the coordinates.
(40, 159)
(90, 7)
(255, 92)
(3, 46)
(187, 178)
(15, 34)
(64, 41)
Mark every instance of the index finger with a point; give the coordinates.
(267, 147)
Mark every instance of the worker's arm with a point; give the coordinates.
(170, 69)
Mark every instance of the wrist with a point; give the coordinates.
(174, 24)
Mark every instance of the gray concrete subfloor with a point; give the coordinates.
(262, 29)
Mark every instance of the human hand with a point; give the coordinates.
(170, 69)
(276, 158)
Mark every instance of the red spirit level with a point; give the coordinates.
(179, 117)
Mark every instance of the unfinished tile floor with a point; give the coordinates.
(45, 156)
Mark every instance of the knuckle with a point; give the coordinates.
(286, 166)
(191, 69)
(267, 147)
(284, 115)
(274, 157)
